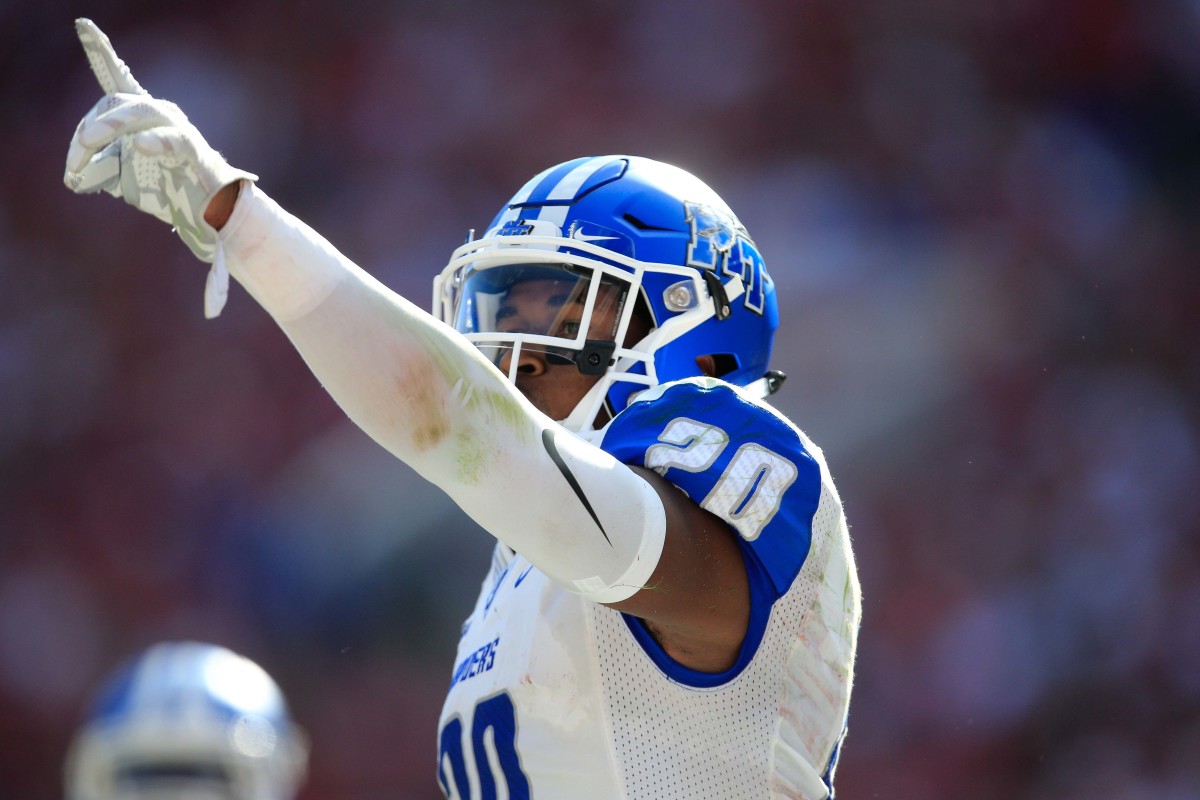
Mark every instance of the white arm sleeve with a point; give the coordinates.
(430, 398)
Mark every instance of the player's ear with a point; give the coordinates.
(707, 365)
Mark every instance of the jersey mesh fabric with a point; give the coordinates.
(768, 732)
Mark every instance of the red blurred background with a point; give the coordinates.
(982, 222)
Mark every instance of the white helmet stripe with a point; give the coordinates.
(569, 185)
(527, 189)
(564, 189)
(513, 211)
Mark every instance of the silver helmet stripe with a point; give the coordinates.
(568, 187)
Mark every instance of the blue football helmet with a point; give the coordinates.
(626, 236)
(190, 721)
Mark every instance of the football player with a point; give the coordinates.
(187, 721)
(672, 608)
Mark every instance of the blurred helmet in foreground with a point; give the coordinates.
(188, 721)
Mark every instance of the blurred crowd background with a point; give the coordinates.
(982, 221)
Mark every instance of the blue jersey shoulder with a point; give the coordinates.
(737, 458)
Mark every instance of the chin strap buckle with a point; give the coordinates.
(595, 357)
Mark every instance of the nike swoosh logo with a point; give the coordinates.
(521, 577)
(552, 449)
(583, 237)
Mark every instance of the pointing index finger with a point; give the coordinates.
(110, 70)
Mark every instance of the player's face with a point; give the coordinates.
(556, 308)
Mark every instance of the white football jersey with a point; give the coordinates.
(554, 696)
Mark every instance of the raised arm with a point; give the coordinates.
(416, 386)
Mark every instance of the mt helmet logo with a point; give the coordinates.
(722, 246)
(713, 234)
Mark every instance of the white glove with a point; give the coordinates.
(145, 150)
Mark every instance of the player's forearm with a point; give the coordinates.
(428, 396)
(401, 375)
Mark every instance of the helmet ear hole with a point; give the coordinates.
(721, 363)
